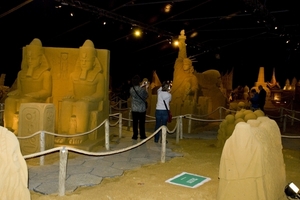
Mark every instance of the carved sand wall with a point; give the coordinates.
(34, 117)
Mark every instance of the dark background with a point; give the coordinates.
(236, 35)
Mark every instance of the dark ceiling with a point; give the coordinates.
(221, 34)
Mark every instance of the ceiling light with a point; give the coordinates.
(175, 43)
(168, 8)
(137, 33)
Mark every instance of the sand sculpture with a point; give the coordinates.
(190, 89)
(74, 80)
(210, 84)
(13, 168)
(185, 84)
(34, 83)
(252, 165)
(86, 93)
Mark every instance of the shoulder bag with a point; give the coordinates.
(146, 103)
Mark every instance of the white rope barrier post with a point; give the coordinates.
(177, 129)
(129, 120)
(107, 135)
(220, 112)
(163, 144)
(42, 146)
(63, 154)
(180, 125)
(281, 114)
(120, 125)
(190, 123)
(110, 112)
(293, 115)
(284, 123)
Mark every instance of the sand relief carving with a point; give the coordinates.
(34, 83)
(35, 117)
(86, 94)
(13, 168)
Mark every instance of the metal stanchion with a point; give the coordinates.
(107, 135)
(293, 116)
(120, 125)
(190, 123)
(180, 127)
(177, 129)
(281, 114)
(284, 123)
(62, 171)
(42, 147)
(129, 120)
(163, 143)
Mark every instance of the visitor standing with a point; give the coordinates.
(254, 100)
(139, 95)
(161, 113)
(262, 98)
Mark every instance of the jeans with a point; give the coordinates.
(138, 122)
(161, 117)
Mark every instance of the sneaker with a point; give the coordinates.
(142, 138)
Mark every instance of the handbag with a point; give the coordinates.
(146, 103)
(169, 113)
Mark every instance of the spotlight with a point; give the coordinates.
(292, 191)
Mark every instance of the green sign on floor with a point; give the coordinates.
(188, 180)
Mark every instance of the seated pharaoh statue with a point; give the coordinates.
(86, 93)
(185, 83)
(34, 83)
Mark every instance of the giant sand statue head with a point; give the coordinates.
(34, 53)
(212, 77)
(87, 55)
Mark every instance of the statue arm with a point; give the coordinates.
(46, 91)
(17, 91)
(98, 95)
(182, 46)
(70, 93)
(182, 50)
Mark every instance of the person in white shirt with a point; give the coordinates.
(161, 113)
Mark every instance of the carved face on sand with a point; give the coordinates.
(187, 64)
(87, 59)
(33, 58)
